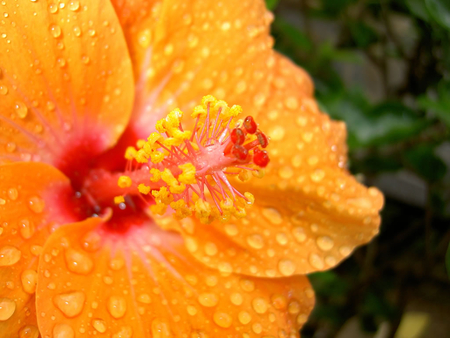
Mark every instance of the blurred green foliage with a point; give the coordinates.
(383, 67)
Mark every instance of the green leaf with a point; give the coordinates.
(439, 11)
(363, 34)
(426, 163)
(447, 260)
(440, 106)
(271, 4)
(293, 34)
(418, 8)
(367, 126)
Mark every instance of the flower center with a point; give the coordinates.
(188, 173)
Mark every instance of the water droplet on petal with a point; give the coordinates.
(244, 317)
(13, 194)
(222, 319)
(144, 298)
(9, 255)
(78, 261)
(259, 305)
(117, 306)
(91, 241)
(29, 280)
(272, 215)
(286, 267)
(236, 298)
(99, 325)
(21, 109)
(208, 299)
(74, 5)
(3, 90)
(55, 31)
(256, 241)
(7, 308)
(26, 228)
(160, 329)
(345, 251)
(325, 243)
(316, 261)
(36, 204)
(63, 331)
(71, 304)
(29, 331)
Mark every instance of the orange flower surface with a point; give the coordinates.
(122, 217)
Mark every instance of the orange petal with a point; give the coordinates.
(65, 79)
(145, 284)
(184, 50)
(27, 217)
(310, 213)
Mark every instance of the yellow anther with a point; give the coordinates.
(227, 205)
(130, 153)
(155, 137)
(181, 210)
(124, 182)
(199, 111)
(188, 174)
(156, 175)
(239, 213)
(161, 126)
(259, 173)
(141, 156)
(140, 143)
(250, 198)
(158, 209)
(173, 119)
(157, 157)
(119, 199)
(143, 189)
(234, 111)
(162, 196)
(222, 107)
(175, 186)
(202, 210)
(209, 100)
(243, 176)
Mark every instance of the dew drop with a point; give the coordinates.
(208, 299)
(330, 260)
(53, 8)
(61, 62)
(29, 331)
(78, 262)
(99, 325)
(222, 319)
(21, 109)
(247, 285)
(7, 308)
(26, 228)
(325, 243)
(315, 261)
(286, 172)
(117, 306)
(256, 241)
(279, 302)
(13, 194)
(91, 241)
(36, 204)
(277, 133)
(144, 38)
(9, 255)
(281, 238)
(272, 215)
(63, 331)
(211, 249)
(71, 304)
(225, 267)
(160, 329)
(29, 280)
(244, 317)
(345, 251)
(2, 201)
(144, 299)
(259, 305)
(294, 307)
(257, 328)
(236, 298)
(286, 267)
(3, 90)
(55, 31)
(74, 5)
(317, 175)
(191, 244)
(77, 31)
(231, 230)
(10, 147)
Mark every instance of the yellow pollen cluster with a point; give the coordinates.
(172, 153)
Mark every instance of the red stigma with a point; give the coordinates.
(250, 125)
(261, 158)
(237, 136)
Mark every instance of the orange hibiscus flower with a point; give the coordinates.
(80, 81)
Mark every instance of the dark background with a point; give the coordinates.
(383, 68)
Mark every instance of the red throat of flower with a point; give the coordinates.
(189, 171)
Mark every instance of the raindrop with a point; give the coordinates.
(55, 31)
(29, 280)
(29, 331)
(259, 305)
(26, 228)
(74, 5)
(13, 194)
(21, 109)
(208, 299)
(117, 306)
(255, 241)
(222, 319)
(316, 261)
(99, 325)
(272, 215)
(9, 255)
(7, 308)
(63, 331)
(78, 262)
(3, 90)
(36, 204)
(71, 304)
(286, 267)
(244, 317)
(325, 243)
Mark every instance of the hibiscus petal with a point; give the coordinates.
(65, 79)
(184, 50)
(309, 213)
(144, 283)
(27, 216)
